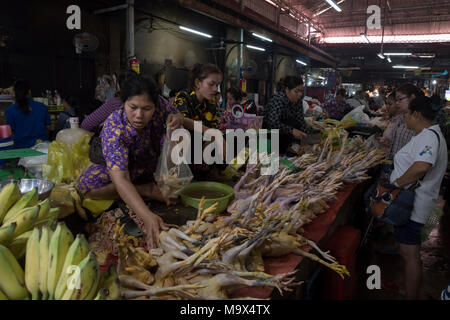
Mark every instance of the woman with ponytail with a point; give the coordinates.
(28, 119)
(285, 112)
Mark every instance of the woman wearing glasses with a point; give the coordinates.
(400, 134)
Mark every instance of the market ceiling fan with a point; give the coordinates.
(85, 42)
(250, 68)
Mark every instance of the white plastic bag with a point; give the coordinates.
(358, 115)
(171, 178)
(34, 164)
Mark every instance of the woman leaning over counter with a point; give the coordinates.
(131, 143)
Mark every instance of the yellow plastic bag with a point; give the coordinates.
(80, 153)
(64, 165)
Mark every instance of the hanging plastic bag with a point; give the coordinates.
(171, 178)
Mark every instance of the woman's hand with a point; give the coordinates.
(175, 120)
(298, 134)
(153, 224)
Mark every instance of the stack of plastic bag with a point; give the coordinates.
(34, 164)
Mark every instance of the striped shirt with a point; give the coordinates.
(96, 118)
(400, 135)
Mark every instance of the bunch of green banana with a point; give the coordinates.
(12, 277)
(18, 246)
(32, 264)
(24, 220)
(9, 195)
(77, 252)
(29, 199)
(109, 285)
(85, 287)
(59, 245)
(23, 211)
(7, 233)
(44, 245)
(57, 266)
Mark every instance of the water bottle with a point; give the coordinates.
(445, 295)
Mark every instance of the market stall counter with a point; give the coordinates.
(319, 230)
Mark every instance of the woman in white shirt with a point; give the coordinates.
(423, 159)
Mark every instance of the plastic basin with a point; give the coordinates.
(192, 194)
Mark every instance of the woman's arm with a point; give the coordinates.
(96, 118)
(131, 197)
(413, 174)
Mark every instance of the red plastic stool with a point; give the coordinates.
(342, 245)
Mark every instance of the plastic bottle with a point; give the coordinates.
(72, 135)
(57, 98)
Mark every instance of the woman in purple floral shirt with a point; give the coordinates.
(131, 142)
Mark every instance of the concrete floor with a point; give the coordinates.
(435, 255)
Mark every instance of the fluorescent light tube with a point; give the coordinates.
(261, 37)
(405, 67)
(380, 55)
(326, 9)
(334, 5)
(301, 62)
(389, 59)
(422, 38)
(397, 54)
(196, 32)
(256, 48)
(272, 3)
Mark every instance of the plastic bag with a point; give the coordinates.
(34, 164)
(65, 165)
(358, 115)
(171, 178)
(59, 166)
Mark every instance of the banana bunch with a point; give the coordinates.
(67, 197)
(57, 267)
(20, 214)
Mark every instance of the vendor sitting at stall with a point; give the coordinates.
(29, 120)
(198, 104)
(337, 108)
(285, 112)
(131, 141)
(71, 106)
